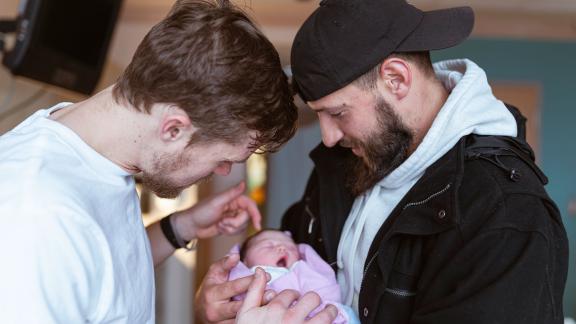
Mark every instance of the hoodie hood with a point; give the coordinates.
(471, 108)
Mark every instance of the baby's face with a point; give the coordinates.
(271, 248)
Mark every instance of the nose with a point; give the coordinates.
(223, 168)
(331, 133)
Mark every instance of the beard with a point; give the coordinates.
(382, 151)
(157, 181)
(160, 186)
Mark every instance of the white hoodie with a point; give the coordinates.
(470, 108)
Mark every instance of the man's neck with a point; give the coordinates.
(109, 128)
(430, 102)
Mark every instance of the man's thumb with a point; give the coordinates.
(255, 291)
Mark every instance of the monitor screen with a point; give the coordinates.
(77, 29)
(63, 42)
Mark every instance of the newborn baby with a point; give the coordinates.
(291, 266)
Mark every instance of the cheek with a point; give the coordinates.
(248, 259)
(363, 124)
(259, 259)
(350, 129)
(194, 172)
(362, 133)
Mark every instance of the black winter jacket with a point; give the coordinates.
(476, 240)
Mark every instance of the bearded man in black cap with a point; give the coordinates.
(424, 195)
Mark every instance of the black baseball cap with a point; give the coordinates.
(343, 39)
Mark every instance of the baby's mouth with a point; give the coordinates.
(282, 262)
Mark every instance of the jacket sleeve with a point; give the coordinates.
(302, 220)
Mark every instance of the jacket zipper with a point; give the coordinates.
(421, 202)
(368, 267)
(400, 292)
(417, 203)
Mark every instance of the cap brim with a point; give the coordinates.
(440, 29)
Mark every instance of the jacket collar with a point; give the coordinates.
(431, 202)
(430, 206)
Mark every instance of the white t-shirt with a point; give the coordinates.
(73, 248)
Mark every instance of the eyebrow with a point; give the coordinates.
(330, 108)
(274, 240)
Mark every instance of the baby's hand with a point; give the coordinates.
(233, 222)
(225, 213)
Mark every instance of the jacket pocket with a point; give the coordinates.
(399, 268)
(387, 296)
(402, 287)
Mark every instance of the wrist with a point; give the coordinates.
(170, 231)
(183, 228)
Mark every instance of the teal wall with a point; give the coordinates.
(553, 66)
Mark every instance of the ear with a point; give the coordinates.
(396, 77)
(175, 126)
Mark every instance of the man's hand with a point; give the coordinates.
(284, 308)
(227, 212)
(213, 299)
(214, 305)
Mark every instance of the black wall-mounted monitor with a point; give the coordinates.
(63, 42)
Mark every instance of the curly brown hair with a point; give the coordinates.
(209, 59)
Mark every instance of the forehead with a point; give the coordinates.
(271, 236)
(343, 97)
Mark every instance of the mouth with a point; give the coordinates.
(345, 144)
(203, 179)
(282, 263)
(354, 147)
